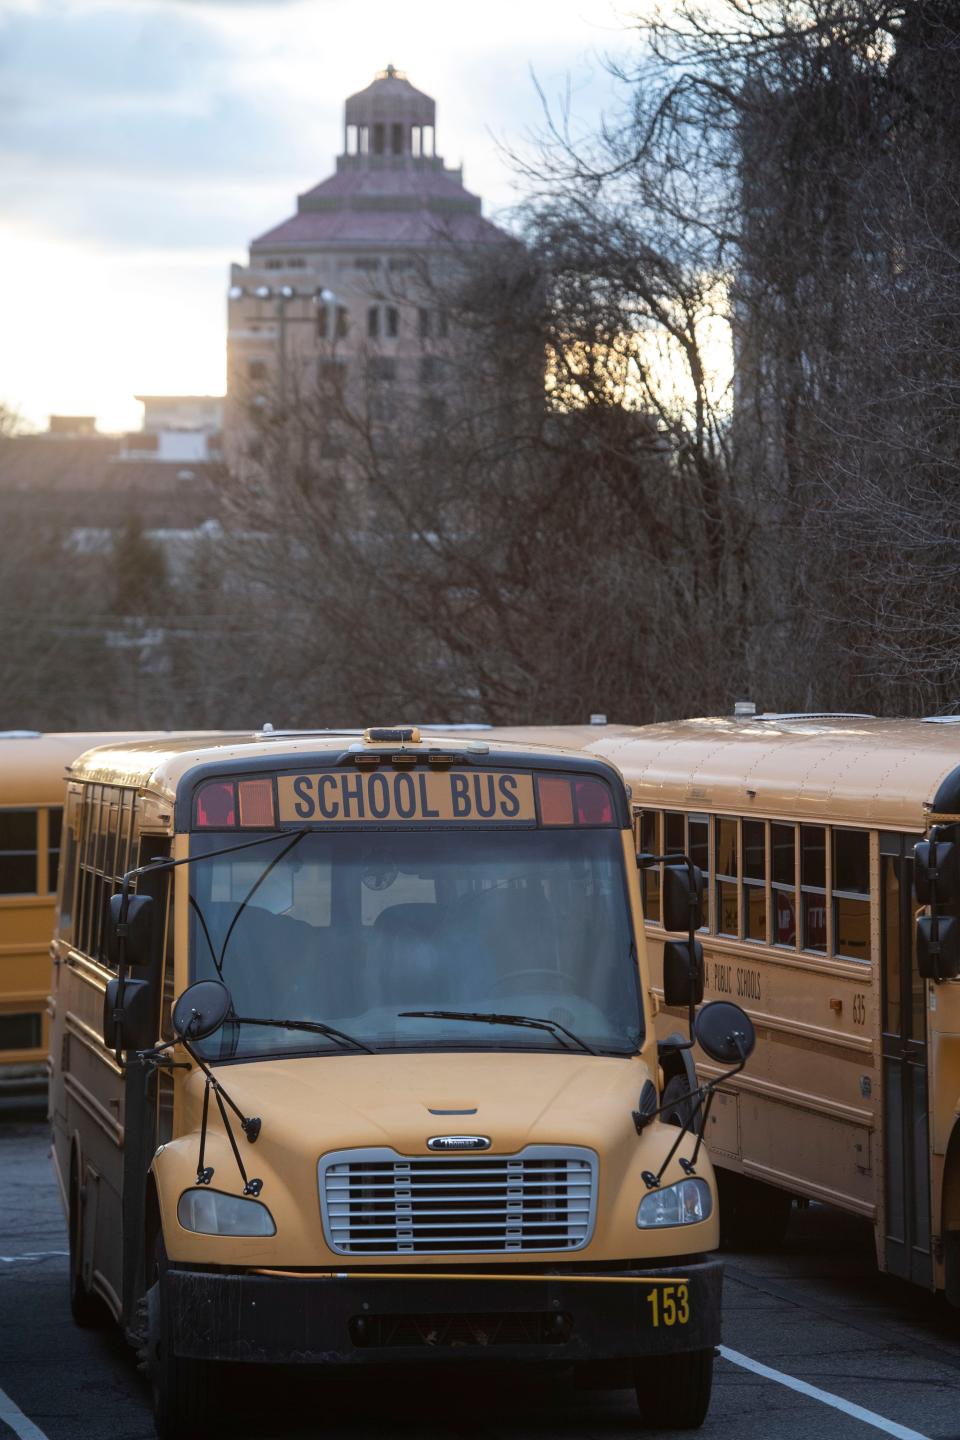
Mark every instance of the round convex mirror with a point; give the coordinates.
(201, 1010)
(724, 1032)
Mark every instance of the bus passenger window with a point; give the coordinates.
(851, 894)
(18, 852)
(755, 880)
(54, 829)
(674, 839)
(783, 848)
(698, 848)
(813, 887)
(726, 873)
(650, 879)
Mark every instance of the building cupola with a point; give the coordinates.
(389, 123)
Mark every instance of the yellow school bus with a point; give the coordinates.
(354, 1063)
(32, 787)
(807, 827)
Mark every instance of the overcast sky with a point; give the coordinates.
(144, 143)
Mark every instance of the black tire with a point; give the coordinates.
(88, 1310)
(673, 1391)
(679, 1106)
(753, 1216)
(186, 1394)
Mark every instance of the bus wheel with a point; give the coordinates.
(673, 1391)
(87, 1309)
(753, 1216)
(679, 1106)
(186, 1393)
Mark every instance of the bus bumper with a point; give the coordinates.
(348, 1319)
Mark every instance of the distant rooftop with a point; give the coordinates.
(390, 185)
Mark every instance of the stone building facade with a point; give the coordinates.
(345, 286)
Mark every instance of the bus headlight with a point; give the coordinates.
(684, 1203)
(211, 1212)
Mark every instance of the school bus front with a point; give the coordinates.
(410, 1133)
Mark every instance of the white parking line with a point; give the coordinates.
(31, 1255)
(857, 1412)
(17, 1421)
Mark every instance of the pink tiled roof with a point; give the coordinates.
(402, 205)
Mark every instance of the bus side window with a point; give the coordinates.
(650, 879)
(68, 871)
(726, 875)
(813, 888)
(698, 849)
(755, 880)
(54, 832)
(783, 842)
(18, 852)
(851, 894)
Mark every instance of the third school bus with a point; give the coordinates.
(805, 827)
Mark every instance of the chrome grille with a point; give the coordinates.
(376, 1202)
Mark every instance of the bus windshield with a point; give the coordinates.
(351, 929)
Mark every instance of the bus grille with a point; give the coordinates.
(375, 1202)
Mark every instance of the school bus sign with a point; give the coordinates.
(383, 797)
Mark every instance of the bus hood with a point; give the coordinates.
(402, 1101)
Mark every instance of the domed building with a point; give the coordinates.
(347, 277)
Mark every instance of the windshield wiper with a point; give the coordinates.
(315, 1026)
(479, 1018)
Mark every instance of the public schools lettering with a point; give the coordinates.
(389, 796)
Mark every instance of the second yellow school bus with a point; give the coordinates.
(32, 790)
(355, 1064)
(806, 828)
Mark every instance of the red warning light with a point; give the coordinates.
(594, 805)
(216, 806)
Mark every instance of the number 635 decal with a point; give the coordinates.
(669, 1305)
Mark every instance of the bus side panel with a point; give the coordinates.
(803, 1116)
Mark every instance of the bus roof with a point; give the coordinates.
(894, 774)
(158, 765)
(33, 763)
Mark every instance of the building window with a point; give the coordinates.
(851, 894)
(813, 888)
(396, 139)
(783, 843)
(754, 841)
(343, 322)
(443, 324)
(323, 321)
(367, 262)
(330, 375)
(423, 321)
(379, 138)
(392, 318)
(18, 852)
(434, 410)
(373, 322)
(431, 369)
(381, 368)
(726, 870)
(258, 369)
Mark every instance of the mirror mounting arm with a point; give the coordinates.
(705, 1100)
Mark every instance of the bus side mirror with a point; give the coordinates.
(135, 1020)
(936, 870)
(938, 945)
(725, 1032)
(682, 973)
(139, 938)
(682, 901)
